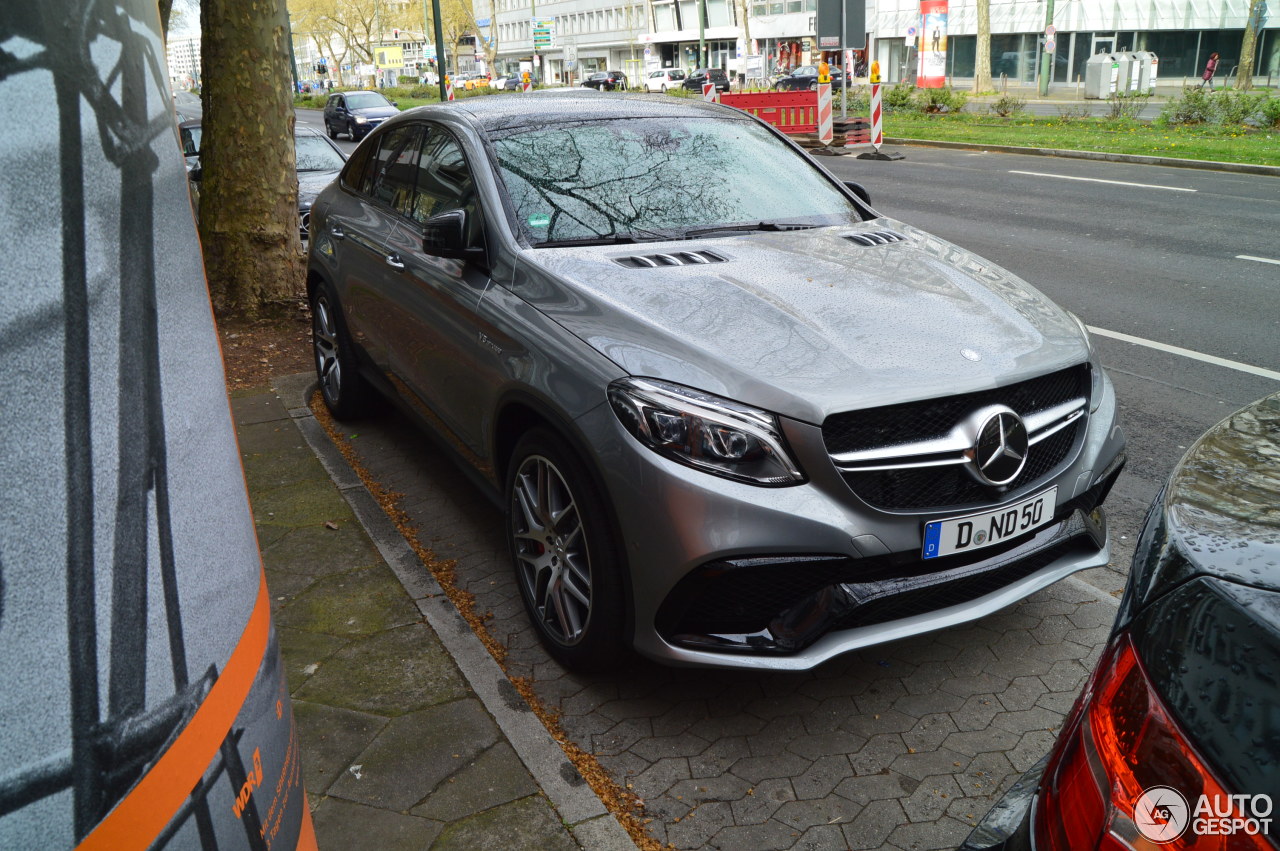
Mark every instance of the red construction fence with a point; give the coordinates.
(794, 113)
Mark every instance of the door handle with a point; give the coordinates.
(337, 232)
(394, 261)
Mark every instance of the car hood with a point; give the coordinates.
(311, 182)
(808, 323)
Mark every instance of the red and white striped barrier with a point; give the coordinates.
(825, 131)
(448, 88)
(526, 84)
(709, 92)
(877, 113)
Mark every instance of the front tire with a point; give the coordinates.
(345, 392)
(333, 134)
(564, 553)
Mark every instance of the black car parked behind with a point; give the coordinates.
(607, 81)
(694, 81)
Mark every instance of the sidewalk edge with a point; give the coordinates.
(585, 815)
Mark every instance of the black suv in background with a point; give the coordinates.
(806, 77)
(356, 113)
(698, 76)
(607, 81)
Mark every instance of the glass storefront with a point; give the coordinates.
(1182, 54)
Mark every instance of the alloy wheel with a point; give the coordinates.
(552, 560)
(324, 335)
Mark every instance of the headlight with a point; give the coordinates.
(706, 432)
(1097, 379)
(360, 119)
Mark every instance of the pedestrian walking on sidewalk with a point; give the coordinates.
(1210, 68)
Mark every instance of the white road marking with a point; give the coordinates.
(1100, 180)
(1257, 259)
(1187, 353)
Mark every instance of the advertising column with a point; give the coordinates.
(932, 70)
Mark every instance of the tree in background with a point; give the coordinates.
(249, 185)
(982, 55)
(1244, 75)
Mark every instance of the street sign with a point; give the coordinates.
(1050, 31)
(543, 32)
(1049, 45)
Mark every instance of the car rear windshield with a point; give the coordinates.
(316, 154)
(367, 100)
(676, 75)
(660, 178)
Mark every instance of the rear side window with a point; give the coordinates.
(394, 168)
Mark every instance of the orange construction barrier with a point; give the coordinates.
(790, 112)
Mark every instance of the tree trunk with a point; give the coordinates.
(1244, 75)
(249, 186)
(982, 55)
(166, 8)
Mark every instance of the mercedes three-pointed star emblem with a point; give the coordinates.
(1000, 451)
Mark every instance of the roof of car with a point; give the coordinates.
(574, 105)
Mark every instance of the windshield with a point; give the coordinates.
(315, 154)
(366, 100)
(660, 178)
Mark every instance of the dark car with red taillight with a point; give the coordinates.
(1175, 740)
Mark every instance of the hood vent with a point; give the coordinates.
(674, 258)
(872, 238)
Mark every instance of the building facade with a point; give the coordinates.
(633, 38)
(184, 62)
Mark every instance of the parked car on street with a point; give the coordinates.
(1175, 740)
(736, 417)
(805, 78)
(661, 80)
(317, 160)
(356, 113)
(698, 76)
(607, 81)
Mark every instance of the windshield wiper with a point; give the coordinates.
(616, 239)
(758, 226)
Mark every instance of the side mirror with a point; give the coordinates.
(445, 235)
(393, 103)
(861, 191)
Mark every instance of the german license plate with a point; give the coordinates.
(965, 534)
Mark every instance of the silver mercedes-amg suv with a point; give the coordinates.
(736, 417)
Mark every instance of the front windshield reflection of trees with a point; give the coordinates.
(315, 154)
(366, 100)
(657, 178)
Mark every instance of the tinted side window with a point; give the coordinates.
(357, 174)
(394, 167)
(444, 180)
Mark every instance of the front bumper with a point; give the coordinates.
(724, 574)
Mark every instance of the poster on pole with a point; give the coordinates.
(932, 68)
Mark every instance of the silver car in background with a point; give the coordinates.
(735, 417)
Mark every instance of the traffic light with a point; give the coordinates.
(395, 33)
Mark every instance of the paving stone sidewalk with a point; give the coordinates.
(412, 737)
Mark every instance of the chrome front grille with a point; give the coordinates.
(918, 455)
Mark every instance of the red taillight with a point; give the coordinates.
(1118, 742)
